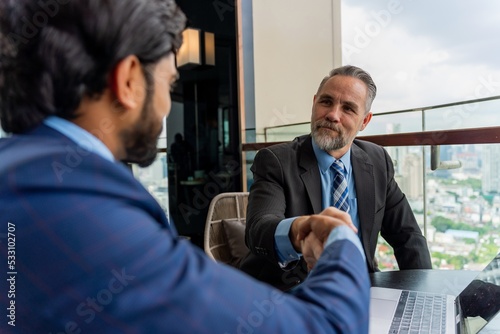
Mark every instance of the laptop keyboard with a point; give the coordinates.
(419, 312)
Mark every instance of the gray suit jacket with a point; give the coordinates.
(287, 184)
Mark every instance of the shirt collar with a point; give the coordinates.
(325, 160)
(81, 137)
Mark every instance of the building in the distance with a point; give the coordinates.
(491, 169)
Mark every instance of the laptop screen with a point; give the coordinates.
(480, 300)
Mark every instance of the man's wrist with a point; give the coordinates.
(285, 250)
(294, 233)
(344, 233)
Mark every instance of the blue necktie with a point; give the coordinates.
(340, 190)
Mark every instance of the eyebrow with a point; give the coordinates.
(350, 104)
(324, 96)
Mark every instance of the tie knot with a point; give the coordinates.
(338, 166)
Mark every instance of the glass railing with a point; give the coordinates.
(457, 209)
(459, 115)
(286, 132)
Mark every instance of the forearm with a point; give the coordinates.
(334, 299)
(183, 284)
(342, 265)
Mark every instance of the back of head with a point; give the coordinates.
(54, 53)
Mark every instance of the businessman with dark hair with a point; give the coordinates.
(90, 251)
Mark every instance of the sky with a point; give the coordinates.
(423, 53)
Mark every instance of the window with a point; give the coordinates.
(420, 54)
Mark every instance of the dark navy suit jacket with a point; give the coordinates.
(94, 253)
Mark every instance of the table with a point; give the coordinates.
(450, 282)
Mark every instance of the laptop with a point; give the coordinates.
(404, 311)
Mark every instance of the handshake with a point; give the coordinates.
(309, 234)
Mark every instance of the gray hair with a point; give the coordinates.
(358, 73)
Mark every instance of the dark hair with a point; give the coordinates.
(358, 73)
(55, 52)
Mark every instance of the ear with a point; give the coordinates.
(366, 120)
(128, 84)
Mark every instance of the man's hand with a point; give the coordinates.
(308, 234)
(312, 248)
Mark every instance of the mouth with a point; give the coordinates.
(327, 128)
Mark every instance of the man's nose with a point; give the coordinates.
(334, 113)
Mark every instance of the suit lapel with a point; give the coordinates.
(310, 174)
(365, 192)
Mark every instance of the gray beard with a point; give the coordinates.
(324, 141)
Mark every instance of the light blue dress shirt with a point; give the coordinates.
(286, 252)
(87, 141)
(327, 174)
